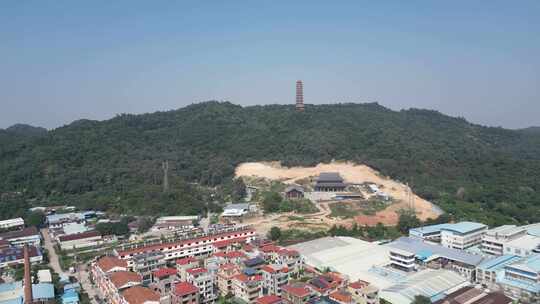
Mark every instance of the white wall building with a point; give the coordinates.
(462, 235)
(494, 240)
(12, 223)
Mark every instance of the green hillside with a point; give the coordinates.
(473, 172)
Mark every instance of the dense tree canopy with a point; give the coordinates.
(473, 172)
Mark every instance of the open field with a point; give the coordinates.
(401, 195)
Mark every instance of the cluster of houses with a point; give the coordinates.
(234, 264)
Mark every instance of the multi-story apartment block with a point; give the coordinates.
(145, 263)
(183, 264)
(290, 258)
(103, 268)
(274, 277)
(204, 281)
(162, 281)
(117, 283)
(225, 275)
(248, 289)
(199, 246)
(185, 293)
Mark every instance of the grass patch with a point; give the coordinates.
(296, 218)
(342, 210)
(374, 206)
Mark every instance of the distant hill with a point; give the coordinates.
(471, 171)
(531, 130)
(26, 130)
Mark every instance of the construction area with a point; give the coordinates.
(364, 196)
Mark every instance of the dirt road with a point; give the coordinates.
(352, 173)
(53, 257)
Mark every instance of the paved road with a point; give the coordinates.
(53, 257)
(82, 273)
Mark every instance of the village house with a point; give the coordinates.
(296, 293)
(274, 277)
(293, 192)
(225, 276)
(162, 280)
(139, 295)
(247, 288)
(185, 293)
(204, 280)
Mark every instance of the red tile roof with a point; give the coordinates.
(185, 261)
(79, 236)
(211, 238)
(235, 254)
(140, 295)
(358, 284)
(185, 288)
(107, 263)
(121, 278)
(341, 296)
(164, 272)
(298, 290)
(271, 299)
(288, 252)
(244, 278)
(197, 270)
(272, 269)
(270, 248)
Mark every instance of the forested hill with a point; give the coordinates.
(473, 172)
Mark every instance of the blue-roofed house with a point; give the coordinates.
(11, 293)
(521, 280)
(70, 297)
(60, 219)
(72, 286)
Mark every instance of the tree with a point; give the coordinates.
(274, 234)
(407, 220)
(271, 202)
(145, 223)
(35, 218)
(420, 299)
(239, 189)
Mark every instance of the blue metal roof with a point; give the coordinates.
(531, 262)
(423, 249)
(429, 229)
(70, 296)
(18, 300)
(5, 287)
(43, 291)
(464, 227)
(498, 263)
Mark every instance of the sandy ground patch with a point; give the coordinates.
(352, 173)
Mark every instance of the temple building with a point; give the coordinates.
(330, 182)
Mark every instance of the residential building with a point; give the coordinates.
(290, 258)
(183, 264)
(188, 247)
(12, 223)
(326, 283)
(493, 240)
(247, 288)
(270, 299)
(342, 296)
(162, 281)
(70, 297)
(225, 275)
(204, 281)
(185, 293)
(80, 240)
(44, 276)
(330, 182)
(296, 293)
(363, 292)
(274, 277)
(139, 295)
(255, 263)
(147, 262)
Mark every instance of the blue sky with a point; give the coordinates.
(66, 60)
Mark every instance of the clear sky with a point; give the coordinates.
(65, 60)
